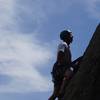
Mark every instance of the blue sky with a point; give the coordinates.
(29, 35)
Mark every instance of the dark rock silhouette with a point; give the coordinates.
(85, 85)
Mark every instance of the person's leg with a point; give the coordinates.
(59, 98)
(63, 89)
(55, 92)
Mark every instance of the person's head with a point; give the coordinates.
(66, 36)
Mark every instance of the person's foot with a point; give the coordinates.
(52, 98)
(61, 95)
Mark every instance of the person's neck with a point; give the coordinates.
(67, 43)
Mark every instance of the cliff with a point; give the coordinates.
(85, 85)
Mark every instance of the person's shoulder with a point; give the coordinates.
(63, 44)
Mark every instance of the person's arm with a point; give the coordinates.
(65, 81)
(60, 57)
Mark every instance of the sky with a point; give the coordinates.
(29, 35)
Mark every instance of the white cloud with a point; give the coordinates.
(31, 14)
(19, 57)
(20, 54)
(6, 14)
(94, 8)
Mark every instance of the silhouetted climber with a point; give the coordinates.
(62, 64)
(64, 68)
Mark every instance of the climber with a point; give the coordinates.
(61, 69)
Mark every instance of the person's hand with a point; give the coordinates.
(68, 74)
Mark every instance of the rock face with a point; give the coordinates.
(85, 85)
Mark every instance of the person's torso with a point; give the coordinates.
(67, 53)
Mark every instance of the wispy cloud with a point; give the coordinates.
(20, 54)
(6, 14)
(31, 14)
(19, 57)
(93, 7)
